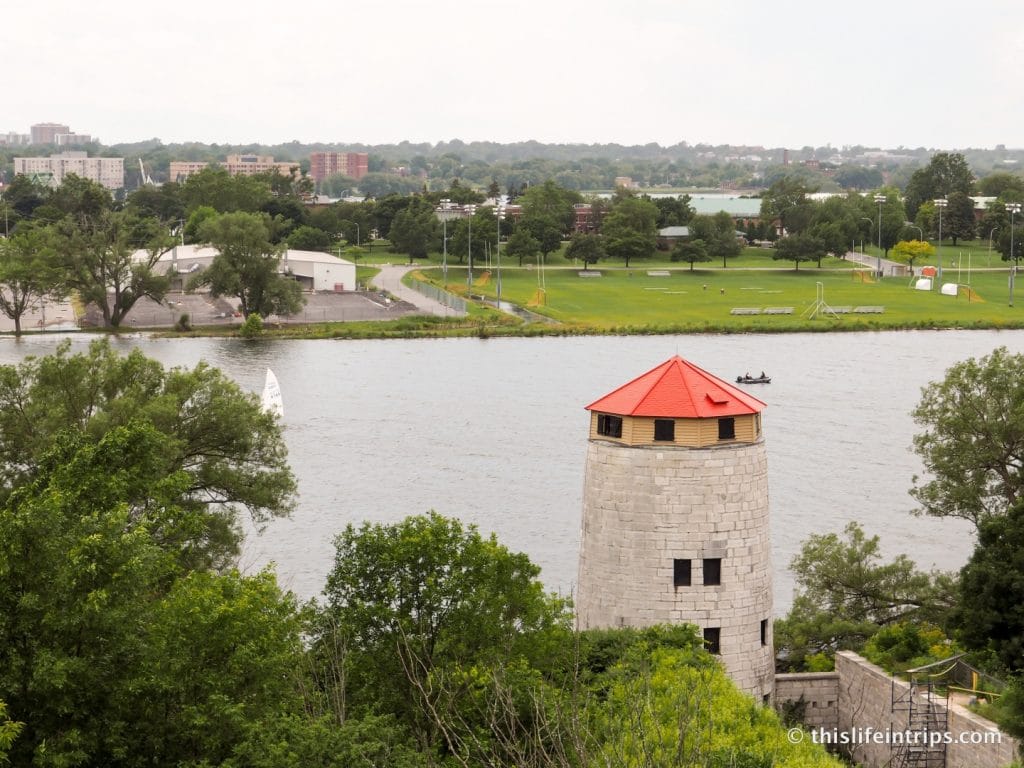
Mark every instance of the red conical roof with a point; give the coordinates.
(678, 389)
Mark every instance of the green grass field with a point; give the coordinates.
(622, 300)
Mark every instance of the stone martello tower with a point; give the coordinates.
(675, 516)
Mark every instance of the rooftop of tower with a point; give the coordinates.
(678, 389)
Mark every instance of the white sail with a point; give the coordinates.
(272, 400)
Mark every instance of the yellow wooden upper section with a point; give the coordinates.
(688, 433)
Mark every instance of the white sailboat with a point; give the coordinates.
(272, 400)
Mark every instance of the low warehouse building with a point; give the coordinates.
(315, 271)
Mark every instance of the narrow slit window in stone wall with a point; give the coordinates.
(681, 570)
(712, 571)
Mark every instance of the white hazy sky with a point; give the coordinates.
(789, 73)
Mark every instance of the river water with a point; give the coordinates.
(494, 432)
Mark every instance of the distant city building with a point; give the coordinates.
(73, 139)
(46, 133)
(13, 138)
(624, 181)
(236, 165)
(108, 171)
(324, 164)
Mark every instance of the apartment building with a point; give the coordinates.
(46, 133)
(324, 164)
(236, 165)
(108, 171)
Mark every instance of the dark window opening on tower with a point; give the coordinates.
(712, 571)
(764, 631)
(681, 570)
(727, 429)
(609, 426)
(665, 430)
(713, 640)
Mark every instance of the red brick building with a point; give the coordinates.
(324, 164)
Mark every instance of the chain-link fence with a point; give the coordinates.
(437, 294)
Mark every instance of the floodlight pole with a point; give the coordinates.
(1013, 208)
(879, 199)
(939, 205)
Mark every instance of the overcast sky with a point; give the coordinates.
(780, 73)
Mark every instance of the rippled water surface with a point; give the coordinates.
(494, 432)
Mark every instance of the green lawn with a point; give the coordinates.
(632, 300)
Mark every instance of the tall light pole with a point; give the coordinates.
(879, 199)
(470, 209)
(1013, 208)
(499, 214)
(444, 211)
(988, 261)
(939, 205)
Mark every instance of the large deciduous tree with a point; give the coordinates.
(946, 173)
(910, 250)
(522, 245)
(229, 450)
(109, 651)
(416, 230)
(846, 593)
(797, 248)
(585, 247)
(958, 221)
(718, 233)
(630, 229)
(426, 595)
(786, 201)
(991, 609)
(110, 259)
(27, 274)
(247, 266)
(972, 445)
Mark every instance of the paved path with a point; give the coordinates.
(390, 279)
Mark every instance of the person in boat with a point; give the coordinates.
(746, 375)
(763, 376)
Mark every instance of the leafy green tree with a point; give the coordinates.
(946, 173)
(630, 229)
(845, 594)
(220, 654)
(787, 202)
(718, 233)
(548, 214)
(673, 211)
(1001, 184)
(9, 730)
(909, 250)
(797, 248)
(990, 616)
(972, 443)
(585, 247)
(307, 238)
(522, 245)
(415, 230)
(27, 274)
(246, 266)
(857, 177)
(215, 187)
(163, 202)
(958, 220)
(691, 251)
(111, 260)
(231, 452)
(73, 565)
(20, 199)
(414, 598)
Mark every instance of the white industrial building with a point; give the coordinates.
(314, 270)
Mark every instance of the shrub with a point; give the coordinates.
(252, 327)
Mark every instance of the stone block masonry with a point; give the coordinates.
(861, 696)
(647, 507)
